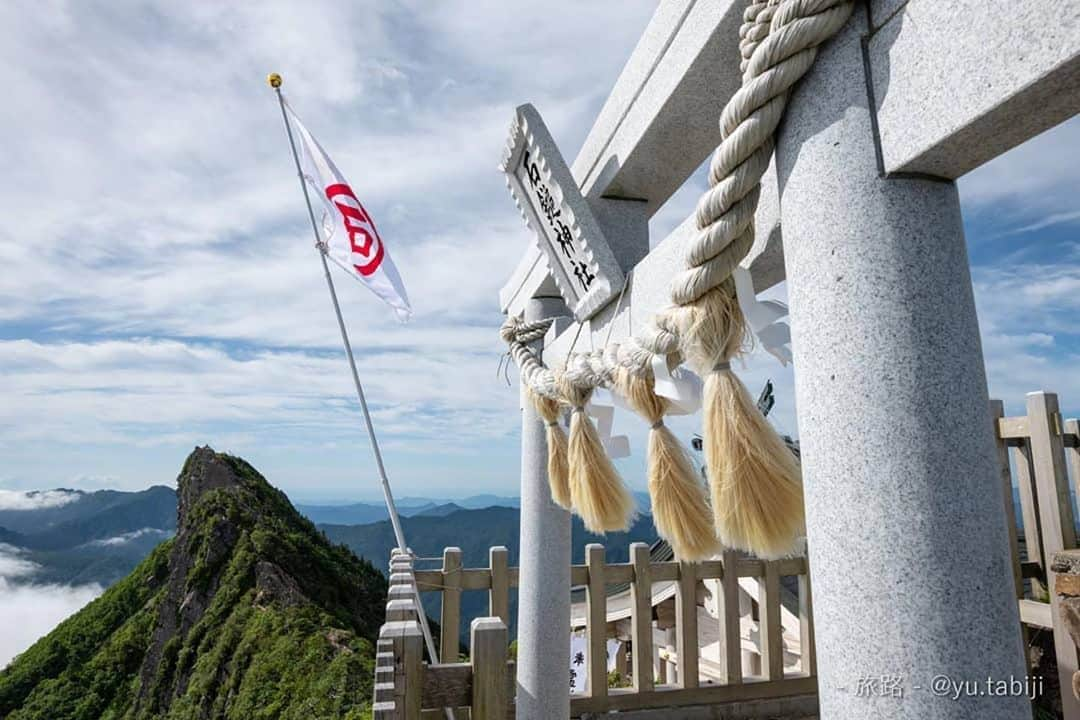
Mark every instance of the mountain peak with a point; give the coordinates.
(248, 609)
(204, 470)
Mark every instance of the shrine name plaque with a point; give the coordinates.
(577, 253)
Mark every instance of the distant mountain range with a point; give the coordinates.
(79, 517)
(364, 512)
(75, 537)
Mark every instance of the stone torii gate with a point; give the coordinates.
(905, 525)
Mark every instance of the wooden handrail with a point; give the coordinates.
(729, 609)
(499, 594)
(406, 685)
(450, 620)
(686, 622)
(641, 640)
(596, 599)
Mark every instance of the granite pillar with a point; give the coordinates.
(905, 524)
(543, 669)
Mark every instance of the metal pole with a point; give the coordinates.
(321, 246)
(395, 521)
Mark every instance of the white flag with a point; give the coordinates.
(351, 239)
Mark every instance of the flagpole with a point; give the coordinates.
(395, 521)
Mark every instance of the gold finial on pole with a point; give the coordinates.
(274, 80)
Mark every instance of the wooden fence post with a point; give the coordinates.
(1029, 508)
(450, 617)
(686, 620)
(596, 620)
(401, 563)
(499, 595)
(400, 592)
(641, 634)
(400, 610)
(1059, 531)
(410, 680)
(1072, 451)
(491, 689)
(1048, 457)
(997, 412)
(730, 619)
(769, 631)
(384, 707)
(403, 695)
(808, 656)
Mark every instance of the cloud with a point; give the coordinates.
(127, 537)
(31, 611)
(93, 482)
(179, 207)
(1058, 218)
(1030, 340)
(140, 390)
(13, 565)
(160, 288)
(36, 500)
(1032, 181)
(1029, 297)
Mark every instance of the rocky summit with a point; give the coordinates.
(248, 612)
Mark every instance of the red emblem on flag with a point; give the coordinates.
(367, 248)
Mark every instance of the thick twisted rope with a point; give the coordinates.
(755, 27)
(517, 333)
(545, 395)
(774, 60)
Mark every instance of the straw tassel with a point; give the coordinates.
(558, 470)
(757, 495)
(680, 505)
(597, 492)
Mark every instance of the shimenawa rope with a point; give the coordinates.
(756, 489)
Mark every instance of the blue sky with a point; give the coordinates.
(159, 288)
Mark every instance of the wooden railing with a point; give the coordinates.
(452, 579)
(407, 688)
(406, 685)
(1038, 449)
(1038, 446)
(640, 573)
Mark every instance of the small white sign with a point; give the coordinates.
(578, 255)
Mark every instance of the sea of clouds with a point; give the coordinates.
(31, 610)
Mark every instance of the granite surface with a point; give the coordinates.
(905, 524)
(544, 579)
(958, 83)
